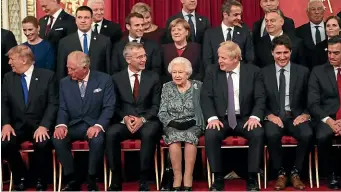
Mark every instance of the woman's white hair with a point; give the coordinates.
(182, 61)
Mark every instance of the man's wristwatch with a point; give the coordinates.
(143, 120)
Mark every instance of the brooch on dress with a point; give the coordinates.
(195, 86)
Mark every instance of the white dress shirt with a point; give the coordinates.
(81, 38)
(55, 17)
(98, 27)
(287, 83)
(28, 76)
(272, 37)
(335, 72)
(185, 14)
(225, 30)
(321, 29)
(131, 39)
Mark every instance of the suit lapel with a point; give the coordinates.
(126, 86)
(143, 86)
(43, 26)
(310, 37)
(104, 27)
(93, 43)
(33, 86)
(223, 83)
(221, 37)
(77, 42)
(236, 34)
(293, 80)
(331, 74)
(58, 20)
(199, 25)
(274, 83)
(18, 92)
(242, 82)
(90, 87)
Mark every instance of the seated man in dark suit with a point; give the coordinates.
(324, 97)
(97, 46)
(138, 99)
(230, 30)
(286, 86)
(87, 101)
(7, 42)
(274, 27)
(198, 24)
(102, 26)
(29, 103)
(259, 29)
(233, 102)
(134, 23)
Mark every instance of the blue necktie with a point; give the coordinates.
(85, 44)
(24, 88)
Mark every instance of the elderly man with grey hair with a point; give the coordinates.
(182, 119)
(87, 102)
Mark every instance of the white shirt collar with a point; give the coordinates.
(99, 24)
(88, 34)
(237, 69)
(131, 39)
(56, 14)
(287, 67)
(272, 37)
(225, 27)
(29, 71)
(184, 13)
(131, 74)
(321, 25)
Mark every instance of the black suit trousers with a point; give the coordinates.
(10, 151)
(75, 133)
(213, 139)
(149, 134)
(302, 133)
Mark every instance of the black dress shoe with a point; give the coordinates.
(115, 187)
(144, 186)
(333, 183)
(187, 188)
(218, 184)
(20, 186)
(72, 186)
(92, 186)
(176, 188)
(40, 186)
(252, 184)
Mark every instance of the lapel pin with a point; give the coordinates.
(46, 18)
(36, 79)
(238, 33)
(105, 26)
(94, 38)
(200, 19)
(326, 49)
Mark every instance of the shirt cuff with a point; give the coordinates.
(212, 118)
(100, 126)
(255, 117)
(123, 122)
(60, 126)
(325, 119)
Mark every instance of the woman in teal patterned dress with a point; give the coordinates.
(182, 119)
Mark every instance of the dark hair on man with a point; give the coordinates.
(226, 7)
(282, 40)
(278, 11)
(334, 40)
(84, 8)
(131, 15)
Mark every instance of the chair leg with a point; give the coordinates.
(203, 160)
(265, 166)
(162, 153)
(208, 174)
(60, 177)
(54, 170)
(10, 181)
(156, 171)
(317, 168)
(310, 172)
(105, 174)
(259, 184)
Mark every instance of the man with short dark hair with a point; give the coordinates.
(286, 86)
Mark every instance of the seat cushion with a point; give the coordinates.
(27, 145)
(288, 140)
(234, 141)
(131, 144)
(80, 145)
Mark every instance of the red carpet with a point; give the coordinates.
(230, 185)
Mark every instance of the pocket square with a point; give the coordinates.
(97, 90)
(59, 29)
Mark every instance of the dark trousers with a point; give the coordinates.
(78, 132)
(324, 137)
(149, 134)
(213, 139)
(302, 133)
(10, 151)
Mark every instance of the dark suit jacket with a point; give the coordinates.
(264, 55)
(97, 106)
(202, 24)
(148, 102)
(99, 53)
(322, 53)
(64, 25)
(7, 42)
(42, 104)
(298, 87)
(214, 94)
(213, 38)
(323, 95)
(111, 30)
(288, 27)
(304, 32)
(153, 56)
(192, 53)
(339, 14)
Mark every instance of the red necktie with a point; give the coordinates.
(338, 76)
(48, 27)
(136, 86)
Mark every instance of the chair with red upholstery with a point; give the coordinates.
(227, 143)
(135, 145)
(163, 146)
(287, 141)
(80, 146)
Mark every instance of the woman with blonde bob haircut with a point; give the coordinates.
(182, 119)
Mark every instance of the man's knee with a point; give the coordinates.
(97, 142)
(324, 134)
(213, 135)
(257, 133)
(42, 145)
(59, 143)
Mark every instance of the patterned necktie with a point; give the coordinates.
(96, 29)
(136, 88)
(317, 35)
(231, 111)
(85, 44)
(24, 88)
(282, 94)
(49, 26)
(82, 89)
(191, 24)
(228, 35)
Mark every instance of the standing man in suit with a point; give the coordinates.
(134, 23)
(97, 46)
(286, 86)
(233, 102)
(7, 42)
(87, 102)
(230, 30)
(102, 26)
(29, 103)
(198, 24)
(274, 26)
(259, 29)
(312, 32)
(56, 24)
(138, 99)
(324, 98)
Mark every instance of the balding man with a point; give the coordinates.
(86, 106)
(29, 104)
